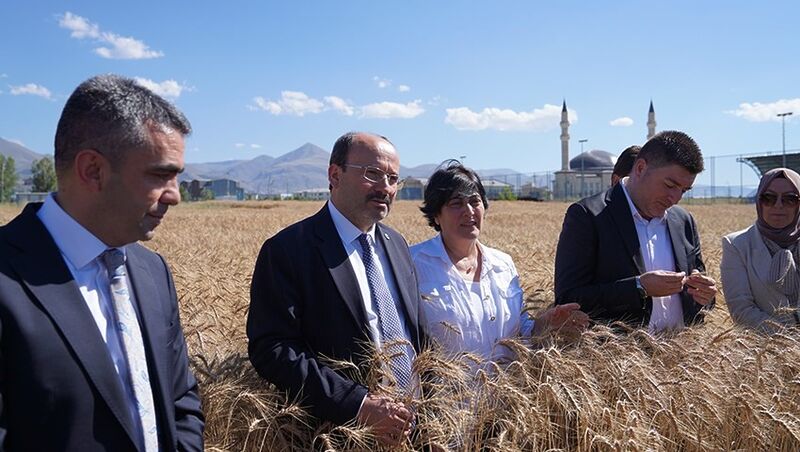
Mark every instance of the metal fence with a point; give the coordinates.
(726, 178)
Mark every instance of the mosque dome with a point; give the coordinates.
(593, 160)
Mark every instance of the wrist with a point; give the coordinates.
(640, 288)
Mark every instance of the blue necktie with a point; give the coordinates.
(131, 335)
(388, 318)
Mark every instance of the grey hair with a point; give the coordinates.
(112, 115)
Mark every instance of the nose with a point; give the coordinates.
(171, 195)
(470, 209)
(675, 195)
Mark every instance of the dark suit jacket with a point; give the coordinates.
(58, 386)
(598, 257)
(305, 303)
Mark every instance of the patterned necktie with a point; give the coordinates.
(131, 335)
(388, 318)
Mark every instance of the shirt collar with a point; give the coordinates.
(348, 232)
(79, 246)
(634, 211)
(435, 248)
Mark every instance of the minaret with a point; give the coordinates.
(651, 121)
(564, 138)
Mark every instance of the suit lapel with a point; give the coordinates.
(676, 226)
(43, 270)
(152, 320)
(332, 250)
(623, 217)
(395, 250)
(762, 259)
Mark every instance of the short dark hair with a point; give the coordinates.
(113, 115)
(672, 147)
(625, 160)
(451, 178)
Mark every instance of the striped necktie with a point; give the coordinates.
(388, 318)
(131, 336)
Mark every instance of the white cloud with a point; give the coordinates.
(240, 145)
(255, 146)
(294, 103)
(758, 112)
(167, 88)
(31, 89)
(118, 47)
(404, 88)
(382, 82)
(387, 110)
(3, 75)
(539, 120)
(340, 105)
(622, 122)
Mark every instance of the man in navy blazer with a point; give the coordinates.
(310, 300)
(631, 253)
(66, 378)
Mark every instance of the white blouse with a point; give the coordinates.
(463, 318)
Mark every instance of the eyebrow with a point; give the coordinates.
(167, 168)
(673, 181)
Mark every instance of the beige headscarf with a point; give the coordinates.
(782, 243)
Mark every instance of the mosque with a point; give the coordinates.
(589, 172)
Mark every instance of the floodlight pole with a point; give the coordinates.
(783, 133)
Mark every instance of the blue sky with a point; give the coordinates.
(441, 79)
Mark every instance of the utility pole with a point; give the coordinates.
(783, 133)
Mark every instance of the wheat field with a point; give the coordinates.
(713, 387)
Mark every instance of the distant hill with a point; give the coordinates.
(23, 157)
(303, 168)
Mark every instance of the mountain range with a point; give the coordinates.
(303, 168)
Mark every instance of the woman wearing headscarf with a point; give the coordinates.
(759, 266)
(471, 296)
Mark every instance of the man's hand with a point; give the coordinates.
(661, 283)
(390, 420)
(566, 319)
(702, 288)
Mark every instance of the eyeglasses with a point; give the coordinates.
(376, 175)
(787, 199)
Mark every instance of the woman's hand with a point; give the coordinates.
(563, 320)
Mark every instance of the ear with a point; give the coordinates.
(91, 169)
(639, 167)
(334, 175)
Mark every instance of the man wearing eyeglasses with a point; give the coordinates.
(340, 285)
(631, 253)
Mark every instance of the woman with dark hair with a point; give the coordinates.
(759, 266)
(471, 296)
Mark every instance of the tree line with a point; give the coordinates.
(43, 176)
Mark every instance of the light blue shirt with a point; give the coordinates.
(81, 251)
(656, 248)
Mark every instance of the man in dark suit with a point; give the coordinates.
(335, 285)
(630, 253)
(92, 356)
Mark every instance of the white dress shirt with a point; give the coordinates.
(349, 234)
(81, 251)
(470, 317)
(656, 247)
